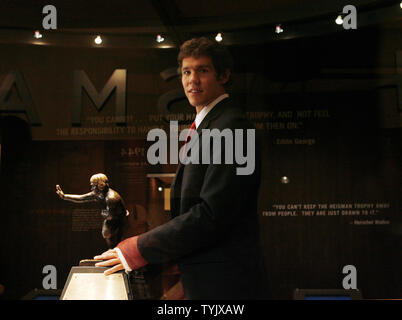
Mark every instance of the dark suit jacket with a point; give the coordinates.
(213, 234)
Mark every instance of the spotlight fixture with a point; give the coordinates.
(98, 40)
(400, 4)
(219, 37)
(160, 189)
(285, 180)
(159, 38)
(278, 29)
(37, 34)
(339, 20)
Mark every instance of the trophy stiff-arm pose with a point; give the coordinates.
(114, 209)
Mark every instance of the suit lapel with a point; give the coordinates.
(175, 189)
(214, 113)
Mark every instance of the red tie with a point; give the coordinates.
(188, 138)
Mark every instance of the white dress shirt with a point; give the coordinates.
(204, 111)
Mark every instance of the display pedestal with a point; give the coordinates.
(89, 283)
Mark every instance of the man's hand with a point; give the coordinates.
(59, 191)
(110, 258)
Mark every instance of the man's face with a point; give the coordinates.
(199, 79)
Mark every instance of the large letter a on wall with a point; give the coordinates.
(116, 81)
(25, 105)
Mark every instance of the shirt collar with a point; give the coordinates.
(204, 111)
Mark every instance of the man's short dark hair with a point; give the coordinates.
(197, 47)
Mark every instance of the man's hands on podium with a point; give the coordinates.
(110, 258)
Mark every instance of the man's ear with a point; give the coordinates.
(224, 77)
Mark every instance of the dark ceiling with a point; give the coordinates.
(178, 19)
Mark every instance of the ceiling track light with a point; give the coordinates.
(219, 37)
(339, 20)
(159, 38)
(278, 29)
(98, 40)
(37, 34)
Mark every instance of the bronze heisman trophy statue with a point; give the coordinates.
(114, 211)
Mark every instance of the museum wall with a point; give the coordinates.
(328, 112)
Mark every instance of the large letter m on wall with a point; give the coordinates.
(116, 81)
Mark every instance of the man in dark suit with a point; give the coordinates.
(213, 234)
